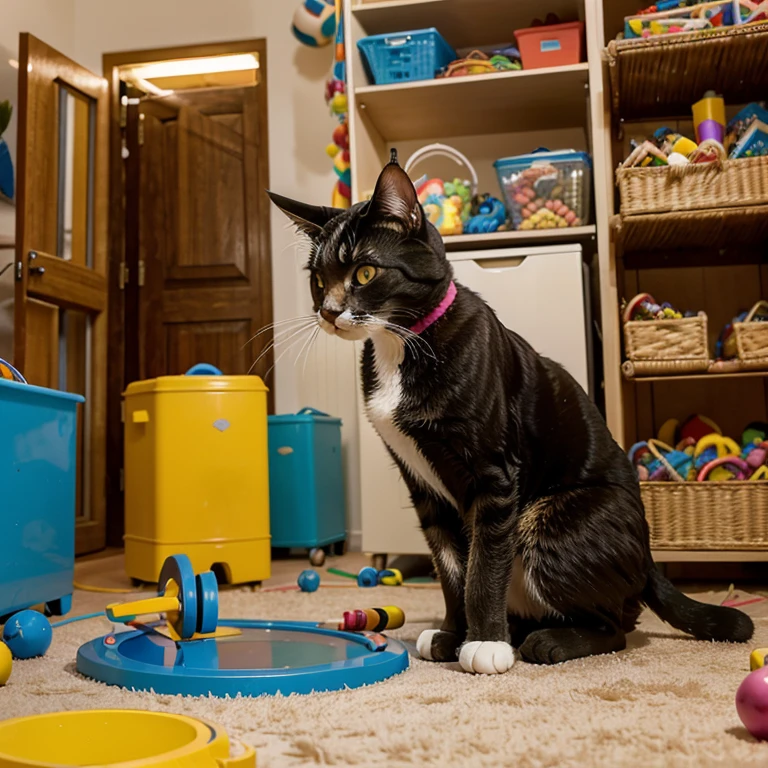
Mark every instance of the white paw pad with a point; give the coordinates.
(486, 657)
(424, 643)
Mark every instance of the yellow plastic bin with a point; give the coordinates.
(197, 474)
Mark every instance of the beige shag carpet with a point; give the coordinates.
(665, 701)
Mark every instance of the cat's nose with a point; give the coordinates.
(329, 316)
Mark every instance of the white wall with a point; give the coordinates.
(300, 126)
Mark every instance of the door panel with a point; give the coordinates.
(61, 235)
(203, 249)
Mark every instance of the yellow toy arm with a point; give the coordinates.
(122, 613)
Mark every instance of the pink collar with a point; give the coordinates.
(437, 312)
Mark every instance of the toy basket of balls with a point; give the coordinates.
(703, 490)
(546, 190)
(660, 340)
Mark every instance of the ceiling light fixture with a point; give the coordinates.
(201, 66)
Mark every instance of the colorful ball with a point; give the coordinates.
(308, 581)
(6, 663)
(368, 577)
(752, 703)
(314, 22)
(28, 634)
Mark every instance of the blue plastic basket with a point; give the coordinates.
(405, 56)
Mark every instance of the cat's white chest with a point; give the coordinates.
(381, 409)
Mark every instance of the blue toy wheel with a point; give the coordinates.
(207, 602)
(179, 569)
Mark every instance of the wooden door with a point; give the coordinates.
(205, 284)
(61, 253)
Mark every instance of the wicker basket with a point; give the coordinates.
(730, 515)
(732, 184)
(752, 340)
(666, 347)
(664, 75)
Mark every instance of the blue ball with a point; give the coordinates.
(28, 634)
(308, 581)
(368, 577)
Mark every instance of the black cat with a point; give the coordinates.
(531, 510)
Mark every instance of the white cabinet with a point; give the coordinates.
(537, 292)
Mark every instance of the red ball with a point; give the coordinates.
(752, 703)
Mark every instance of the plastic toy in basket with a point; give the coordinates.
(447, 205)
(7, 371)
(546, 190)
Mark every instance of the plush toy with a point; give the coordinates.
(446, 204)
(314, 22)
(488, 215)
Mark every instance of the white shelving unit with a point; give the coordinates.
(485, 117)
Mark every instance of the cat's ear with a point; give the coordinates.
(309, 219)
(395, 198)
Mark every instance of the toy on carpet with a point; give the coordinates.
(308, 580)
(370, 577)
(27, 634)
(336, 98)
(314, 22)
(752, 702)
(193, 653)
(114, 738)
(6, 663)
(701, 453)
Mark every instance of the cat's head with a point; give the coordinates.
(380, 262)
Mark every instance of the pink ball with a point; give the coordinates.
(752, 703)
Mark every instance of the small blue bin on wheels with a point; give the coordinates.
(306, 483)
(38, 472)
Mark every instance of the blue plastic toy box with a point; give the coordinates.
(38, 438)
(306, 481)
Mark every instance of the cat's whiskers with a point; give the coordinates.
(288, 348)
(276, 324)
(279, 339)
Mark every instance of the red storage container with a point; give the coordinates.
(554, 45)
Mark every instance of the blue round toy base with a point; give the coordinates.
(267, 658)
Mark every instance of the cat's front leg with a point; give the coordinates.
(443, 530)
(487, 649)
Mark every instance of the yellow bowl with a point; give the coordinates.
(118, 738)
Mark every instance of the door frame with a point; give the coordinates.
(119, 229)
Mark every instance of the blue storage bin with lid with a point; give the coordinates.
(306, 480)
(403, 57)
(38, 473)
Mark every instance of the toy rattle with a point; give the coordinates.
(190, 603)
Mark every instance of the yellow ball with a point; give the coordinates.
(6, 663)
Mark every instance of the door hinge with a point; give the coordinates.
(123, 111)
(142, 272)
(141, 129)
(19, 270)
(122, 276)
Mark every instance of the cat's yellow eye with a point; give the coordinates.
(365, 274)
(319, 281)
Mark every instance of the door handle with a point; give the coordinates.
(33, 270)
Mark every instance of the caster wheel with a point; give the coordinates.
(59, 607)
(379, 561)
(316, 557)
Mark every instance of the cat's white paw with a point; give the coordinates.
(424, 643)
(486, 657)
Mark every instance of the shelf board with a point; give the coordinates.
(712, 228)
(517, 238)
(699, 377)
(709, 555)
(530, 99)
(487, 22)
(664, 77)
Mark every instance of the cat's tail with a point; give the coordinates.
(704, 622)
